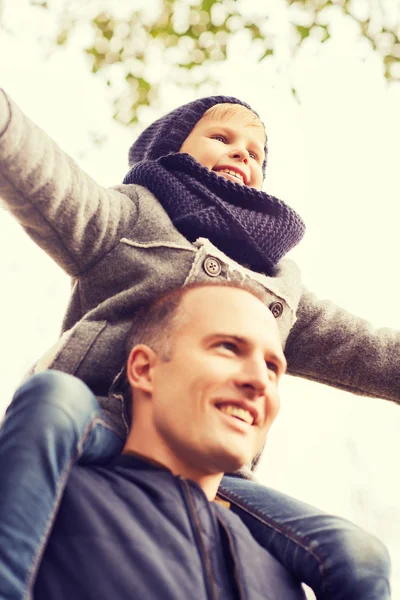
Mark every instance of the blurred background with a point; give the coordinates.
(324, 77)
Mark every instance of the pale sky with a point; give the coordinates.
(334, 158)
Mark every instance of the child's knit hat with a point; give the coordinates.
(167, 134)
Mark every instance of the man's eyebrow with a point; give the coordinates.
(272, 356)
(224, 334)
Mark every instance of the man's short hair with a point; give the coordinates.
(155, 323)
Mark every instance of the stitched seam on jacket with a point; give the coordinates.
(196, 261)
(267, 283)
(232, 497)
(156, 245)
(198, 535)
(100, 326)
(61, 486)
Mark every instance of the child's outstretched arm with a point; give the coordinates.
(75, 220)
(332, 346)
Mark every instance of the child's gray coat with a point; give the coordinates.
(121, 250)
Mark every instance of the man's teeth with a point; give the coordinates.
(234, 173)
(237, 411)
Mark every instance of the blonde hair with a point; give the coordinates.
(226, 110)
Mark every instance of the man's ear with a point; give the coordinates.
(139, 368)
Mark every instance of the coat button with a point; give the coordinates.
(276, 308)
(212, 266)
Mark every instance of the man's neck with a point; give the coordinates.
(208, 482)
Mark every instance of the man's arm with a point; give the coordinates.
(75, 220)
(330, 345)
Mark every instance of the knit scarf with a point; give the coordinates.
(250, 226)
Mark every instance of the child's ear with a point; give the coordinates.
(139, 368)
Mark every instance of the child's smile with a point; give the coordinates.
(232, 173)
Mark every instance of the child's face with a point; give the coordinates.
(230, 147)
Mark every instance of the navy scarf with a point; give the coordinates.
(250, 226)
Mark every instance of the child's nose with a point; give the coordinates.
(240, 154)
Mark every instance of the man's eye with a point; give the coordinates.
(231, 346)
(272, 367)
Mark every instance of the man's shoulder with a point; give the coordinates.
(112, 477)
(119, 501)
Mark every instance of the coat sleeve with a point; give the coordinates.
(75, 220)
(330, 345)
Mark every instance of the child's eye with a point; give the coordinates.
(220, 138)
(254, 155)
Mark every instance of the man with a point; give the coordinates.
(204, 368)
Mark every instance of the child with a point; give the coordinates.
(191, 208)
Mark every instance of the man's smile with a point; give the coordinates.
(238, 412)
(239, 409)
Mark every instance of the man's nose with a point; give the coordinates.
(253, 378)
(241, 154)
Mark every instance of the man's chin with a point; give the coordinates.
(231, 462)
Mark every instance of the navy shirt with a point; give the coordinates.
(132, 530)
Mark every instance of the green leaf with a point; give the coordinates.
(327, 35)
(303, 31)
(62, 37)
(207, 5)
(136, 44)
(268, 52)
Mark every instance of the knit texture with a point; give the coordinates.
(167, 134)
(250, 226)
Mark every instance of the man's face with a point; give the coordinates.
(230, 147)
(215, 399)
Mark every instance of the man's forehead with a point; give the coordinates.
(230, 310)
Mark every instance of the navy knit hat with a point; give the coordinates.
(167, 134)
